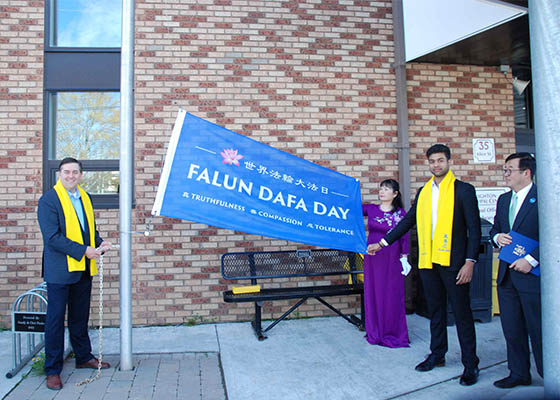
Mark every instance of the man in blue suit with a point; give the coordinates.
(519, 292)
(71, 244)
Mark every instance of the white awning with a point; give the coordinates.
(430, 25)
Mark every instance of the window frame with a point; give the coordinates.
(79, 69)
(99, 201)
(50, 166)
(50, 22)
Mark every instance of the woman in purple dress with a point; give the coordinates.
(384, 272)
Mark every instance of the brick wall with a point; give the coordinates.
(21, 97)
(454, 104)
(312, 78)
(309, 77)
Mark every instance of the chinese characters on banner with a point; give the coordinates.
(218, 177)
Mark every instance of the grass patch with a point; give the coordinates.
(194, 320)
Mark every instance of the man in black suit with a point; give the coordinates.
(71, 244)
(445, 210)
(519, 291)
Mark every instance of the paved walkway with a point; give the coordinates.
(155, 376)
(307, 359)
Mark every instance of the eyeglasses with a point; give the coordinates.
(508, 171)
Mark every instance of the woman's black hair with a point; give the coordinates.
(394, 186)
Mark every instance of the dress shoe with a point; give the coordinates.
(54, 382)
(93, 364)
(511, 382)
(469, 377)
(430, 363)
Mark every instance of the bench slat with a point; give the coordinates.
(293, 293)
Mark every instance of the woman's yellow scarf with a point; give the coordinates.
(437, 249)
(73, 229)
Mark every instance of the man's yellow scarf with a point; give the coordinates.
(437, 249)
(73, 229)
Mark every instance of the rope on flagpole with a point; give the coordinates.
(100, 357)
(147, 232)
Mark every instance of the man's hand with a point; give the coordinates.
(92, 253)
(503, 239)
(373, 248)
(465, 273)
(104, 246)
(521, 265)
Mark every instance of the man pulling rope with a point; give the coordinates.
(71, 245)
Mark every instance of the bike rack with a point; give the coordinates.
(28, 317)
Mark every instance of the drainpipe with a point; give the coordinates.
(403, 146)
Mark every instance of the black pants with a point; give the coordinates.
(77, 297)
(439, 284)
(520, 313)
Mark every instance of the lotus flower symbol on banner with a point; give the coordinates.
(231, 157)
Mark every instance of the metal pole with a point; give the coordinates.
(402, 104)
(544, 22)
(125, 193)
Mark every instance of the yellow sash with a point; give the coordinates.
(438, 249)
(73, 230)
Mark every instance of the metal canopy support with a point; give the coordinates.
(544, 25)
(402, 103)
(125, 195)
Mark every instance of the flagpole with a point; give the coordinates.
(545, 34)
(125, 193)
(403, 145)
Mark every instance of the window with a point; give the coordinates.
(82, 99)
(86, 126)
(523, 117)
(522, 109)
(85, 23)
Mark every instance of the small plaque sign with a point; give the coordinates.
(29, 321)
(484, 151)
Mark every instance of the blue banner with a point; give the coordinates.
(221, 178)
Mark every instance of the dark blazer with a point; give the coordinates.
(466, 234)
(56, 246)
(526, 223)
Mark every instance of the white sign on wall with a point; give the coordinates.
(483, 151)
(487, 199)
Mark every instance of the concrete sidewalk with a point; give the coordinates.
(318, 358)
